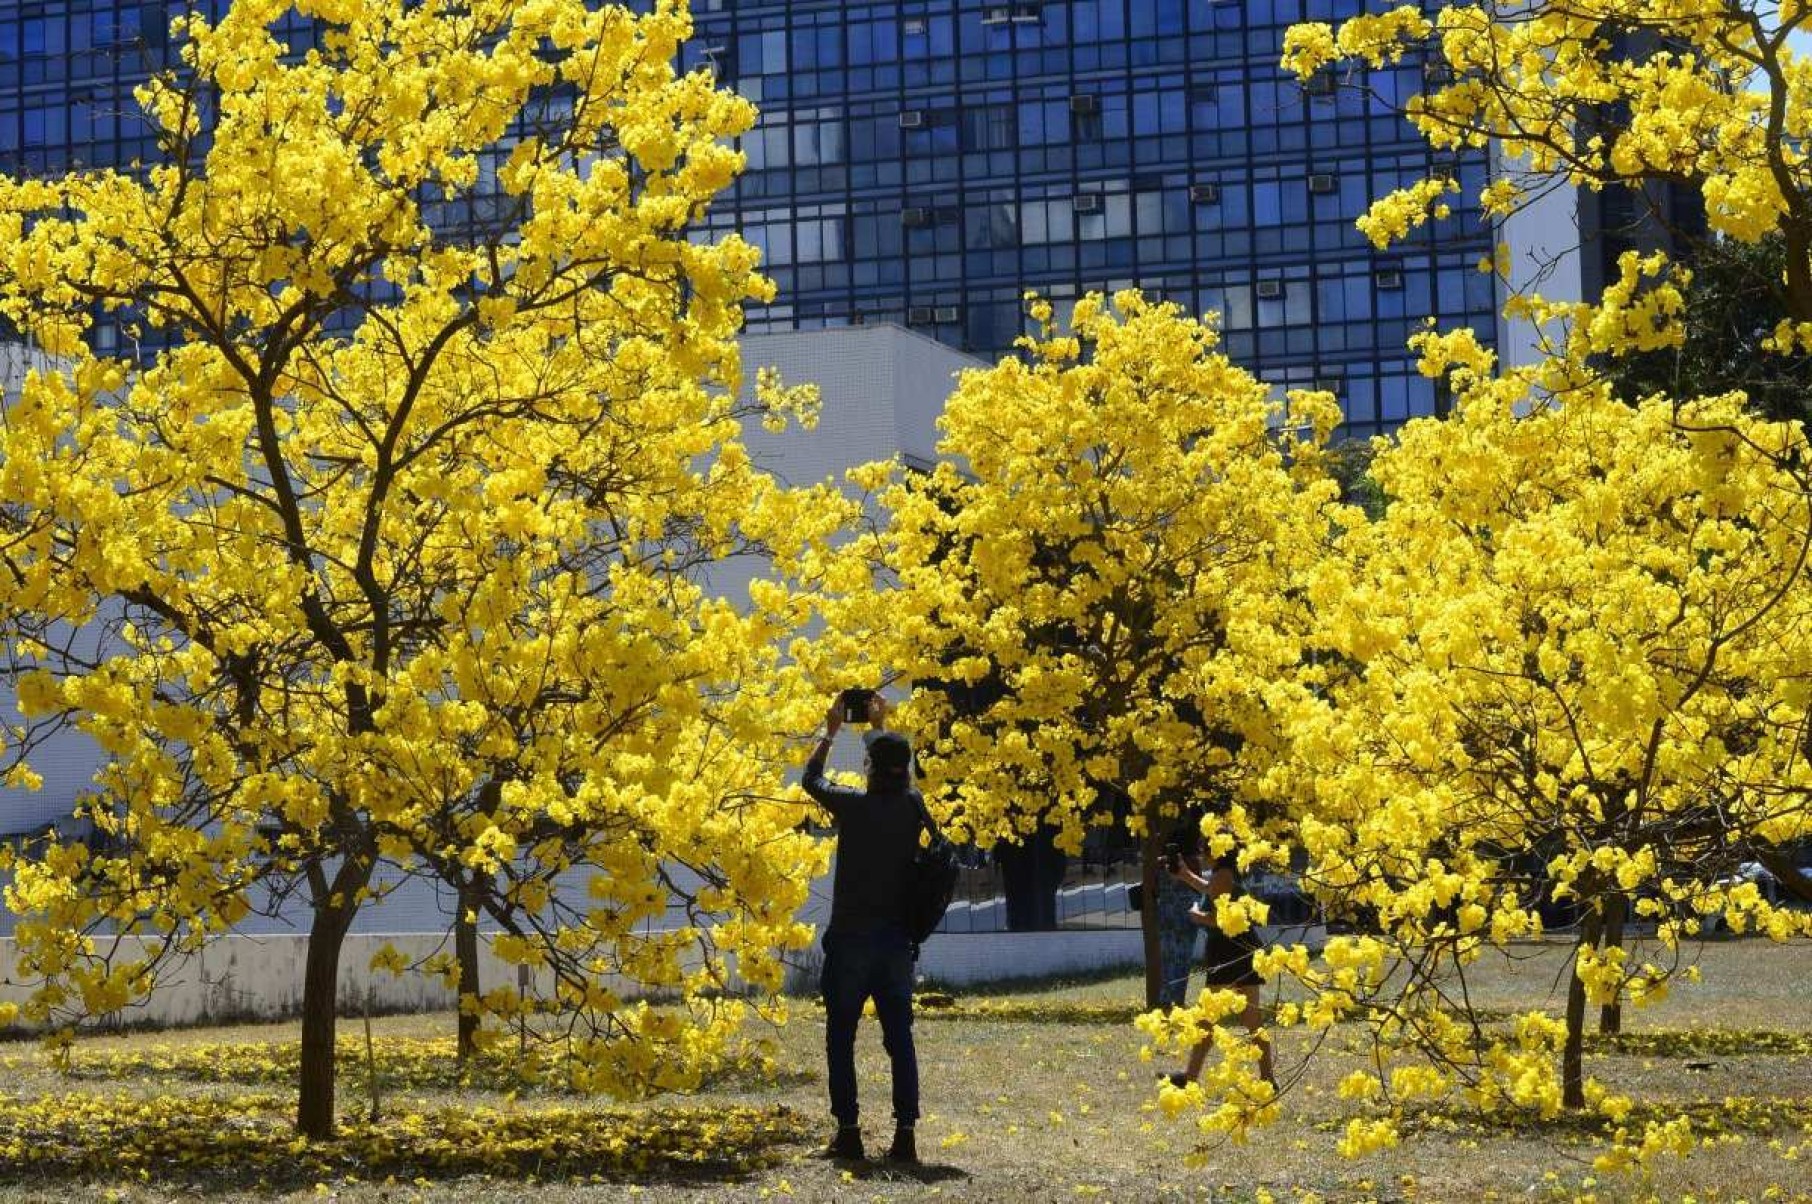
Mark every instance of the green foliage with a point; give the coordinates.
(1736, 300)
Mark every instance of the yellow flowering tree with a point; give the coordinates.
(389, 555)
(1713, 99)
(1116, 545)
(1564, 661)
(1564, 658)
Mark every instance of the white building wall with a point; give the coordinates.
(882, 389)
(1543, 237)
(67, 762)
(247, 977)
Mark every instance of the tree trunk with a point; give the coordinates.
(1786, 874)
(1796, 232)
(1610, 1015)
(465, 948)
(1572, 1058)
(320, 992)
(1148, 915)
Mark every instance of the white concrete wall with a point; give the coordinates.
(959, 960)
(260, 978)
(66, 763)
(239, 978)
(882, 389)
(926, 372)
(1543, 237)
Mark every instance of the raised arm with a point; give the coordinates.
(1189, 873)
(825, 793)
(1220, 881)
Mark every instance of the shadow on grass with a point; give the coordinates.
(247, 1143)
(1044, 984)
(882, 1171)
(1709, 1114)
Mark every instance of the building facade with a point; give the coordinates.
(927, 161)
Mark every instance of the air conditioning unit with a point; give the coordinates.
(1205, 194)
(1387, 278)
(916, 217)
(1323, 182)
(1088, 202)
(1085, 104)
(913, 25)
(919, 315)
(1331, 384)
(1437, 71)
(1028, 14)
(946, 313)
(912, 119)
(1270, 290)
(1321, 83)
(997, 14)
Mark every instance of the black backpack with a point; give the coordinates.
(932, 883)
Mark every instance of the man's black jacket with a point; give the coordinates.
(877, 837)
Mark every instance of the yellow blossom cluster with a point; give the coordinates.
(1107, 556)
(242, 1140)
(1559, 669)
(1391, 217)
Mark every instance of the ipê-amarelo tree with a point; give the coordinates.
(1566, 652)
(388, 548)
(1567, 656)
(1118, 542)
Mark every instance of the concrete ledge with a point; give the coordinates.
(961, 959)
(259, 978)
(971, 959)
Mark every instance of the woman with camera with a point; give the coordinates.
(1176, 899)
(1228, 958)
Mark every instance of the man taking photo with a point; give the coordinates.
(867, 950)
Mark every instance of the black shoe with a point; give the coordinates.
(904, 1148)
(847, 1144)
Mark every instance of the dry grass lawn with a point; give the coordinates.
(1054, 1109)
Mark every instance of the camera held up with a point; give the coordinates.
(855, 703)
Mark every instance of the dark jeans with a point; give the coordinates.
(858, 967)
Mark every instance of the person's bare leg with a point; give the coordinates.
(1198, 1055)
(1255, 1018)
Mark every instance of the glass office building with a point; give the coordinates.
(926, 161)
